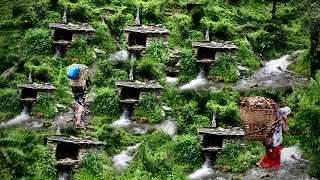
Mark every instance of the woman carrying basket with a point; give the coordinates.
(271, 158)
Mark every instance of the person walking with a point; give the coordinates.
(271, 158)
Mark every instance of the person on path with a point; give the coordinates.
(79, 94)
(271, 158)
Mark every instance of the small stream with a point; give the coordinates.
(23, 117)
(199, 81)
(122, 160)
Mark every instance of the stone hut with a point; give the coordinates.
(64, 34)
(139, 37)
(207, 52)
(215, 139)
(69, 151)
(31, 92)
(131, 92)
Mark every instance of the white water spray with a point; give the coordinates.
(133, 58)
(122, 160)
(171, 80)
(204, 173)
(24, 116)
(168, 126)
(120, 55)
(199, 81)
(124, 120)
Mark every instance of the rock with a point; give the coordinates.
(47, 124)
(218, 79)
(38, 114)
(60, 106)
(142, 119)
(241, 68)
(238, 73)
(94, 56)
(166, 108)
(163, 114)
(98, 51)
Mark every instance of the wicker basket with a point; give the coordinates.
(257, 122)
(83, 76)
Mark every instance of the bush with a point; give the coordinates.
(187, 151)
(147, 69)
(247, 58)
(156, 140)
(238, 159)
(226, 68)
(149, 107)
(81, 51)
(107, 103)
(103, 38)
(44, 104)
(10, 102)
(225, 115)
(157, 51)
(37, 41)
(188, 68)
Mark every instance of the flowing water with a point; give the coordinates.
(64, 17)
(122, 160)
(121, 55)
(171, 80)
(205, 172)
(58, 52)
(64, 173)
(274, 74)
(199, 81)
(23, 117)
(133, 58)
(124, 120)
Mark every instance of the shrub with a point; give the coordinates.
(149, 107)
(147, 69)
(107, 103)
(188, 68)
(157, 51)
(247, 58)
(81, 51)
(225, 68)
(103, 38)
(10, 102)
(187, 150)
(156, 140)
(45, 105)
(237, 159)
(225, 115)
(37, 41)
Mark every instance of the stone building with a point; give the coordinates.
(64, 34)
(215, 139)
(207, 52)
(131, 92)
(139, 37)
(69, 151)
(31, 92)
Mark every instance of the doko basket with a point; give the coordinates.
(257, 123)
(82, 77)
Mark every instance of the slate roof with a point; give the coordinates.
(72, 27)
(156, 29)
(215, 45)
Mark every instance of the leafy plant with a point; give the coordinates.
(107, 103)
(188, 68)
(225, 68)
(10, 102)
(37, 41)
(149, 107)
(44, 104)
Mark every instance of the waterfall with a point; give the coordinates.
(64, 17)
(204, 173)
(124, 120)
(64, 173)
(58, 53)
(171, 80)
(120, 55)
(133, 58)
(207, 35)
(30, 76)
(24, 116)
(122, 160)
(137, 21)
(200, 80)
(213, 121)
(58, 131)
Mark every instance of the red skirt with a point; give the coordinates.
(271, 159)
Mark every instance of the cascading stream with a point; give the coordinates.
(133, 58)
(199, 81)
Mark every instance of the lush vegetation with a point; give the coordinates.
(26, 45)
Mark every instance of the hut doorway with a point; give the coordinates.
(62, 34)
(137, 39)
(130, 93)
(67, 150)
(206, 53)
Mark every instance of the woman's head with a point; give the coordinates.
(283, 112)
